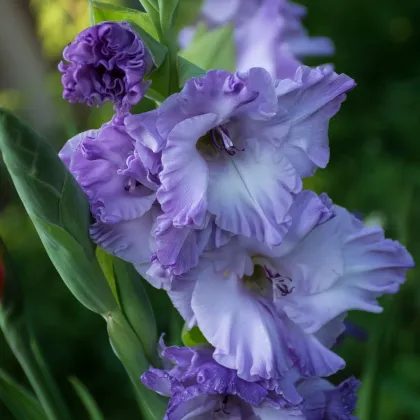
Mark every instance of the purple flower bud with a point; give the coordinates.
(108, 62)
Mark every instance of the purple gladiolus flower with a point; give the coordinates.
(284, 44)
(290, 299)
(107, 62)
(200, 388)
(233, 149)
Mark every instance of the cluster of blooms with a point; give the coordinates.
(204, 196)
(268, 33)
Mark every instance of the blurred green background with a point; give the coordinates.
(374, 170)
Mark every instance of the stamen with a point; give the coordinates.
(279, 281)
(222, 141)
(131, 185)
(223, 405)
(216, 140)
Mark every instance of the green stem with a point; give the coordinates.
(18, 338)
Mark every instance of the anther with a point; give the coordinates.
(223, 405)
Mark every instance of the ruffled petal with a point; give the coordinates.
(233, 321)
(181, 293)
(307, 211)
(185, 175)
(267, 412)
(317, 97)
(142, 128)
(157, 380)
(255, 51)
(344, 266)
(178, 248)
(97, 159)
(128, 240)
(311, 358)
(192, 407)
(69, 150)
(251, 192)
(323, 400)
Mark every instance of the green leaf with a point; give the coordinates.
(136, 306)
(105, 262)
(87, 399)
(167, 14)
(193, 336)
(129, 350)
(105, 11)
(157, 50)
(188, 13)
(154, 96)
(20, 402)
(14, 326)
(133, 300)
(213, 49)
(187, 70)
(152, 11)
(59, 210)
(145, 105)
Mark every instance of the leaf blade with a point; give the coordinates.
(58, 208)
(167, 14)
(87, 399)
(20, 402)
(106, 11)
(213, 49)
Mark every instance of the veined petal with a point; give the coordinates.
(251, 192)
(181, 293)
(218, 92)
(323, 400)
(233, 320)
(157, 380)
(179, 248)
(129, 240)
(358, 266)
(184, 176)
(97, 159)
(318, 95)
(142, 128)
(311, 357)
(255, 51)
